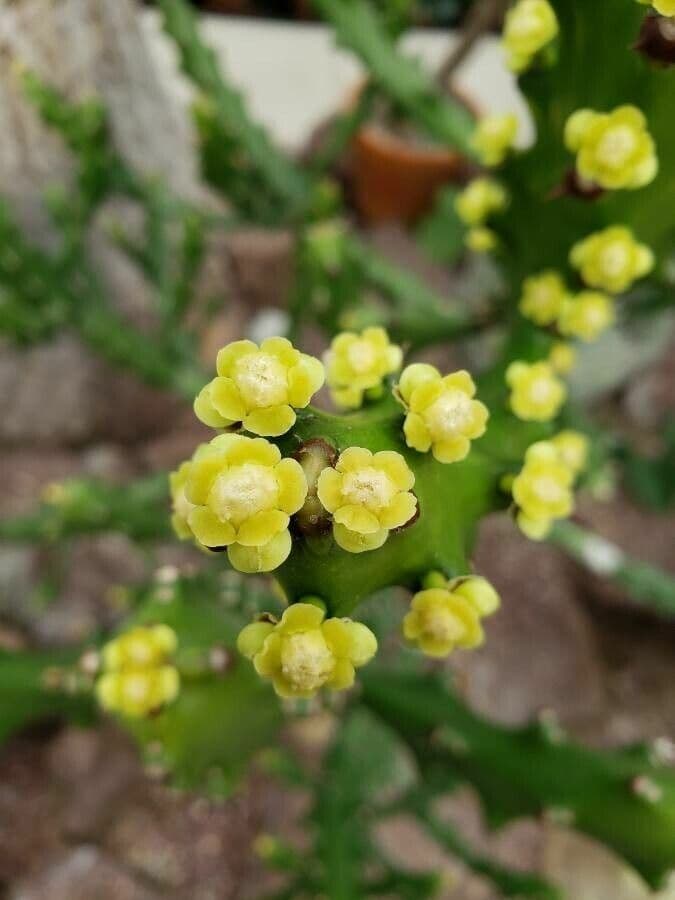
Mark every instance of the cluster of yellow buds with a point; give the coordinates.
(368, 495)
(237, 492)
(259, 387)
(613, 150)
(664, 7)
(529, 26)
(543, 489)
(447, 614)
(304, 651)
(546, 301)
(441, 412)
(611, 259)
(536, 391)
(543, 297)
(494, 136)
(480, 199)
(357, 364)
(138, 678)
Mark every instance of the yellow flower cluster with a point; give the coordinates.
(359, 363)
(573, 449)
(305, 652)
(493, 137)
(368, 494)
(665, 7)
(536, 392)
(528, 27)
(543, 488)
(586, 315)
(543, 297)
(448, 616)
(237, 492)
(480, 199)
(259, 386)
(611, 259)
(614, 150)
(442, 415)
(138, 678)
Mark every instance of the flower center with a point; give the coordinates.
(361, 356)
(368, 487)
(616, 146)
(441, 625)
(541, 391)
(450, 414)
(136, 687)
(547, 489)
(140, 652)
(261, 379)
(614, 259)
(306, 660)
(243, 491)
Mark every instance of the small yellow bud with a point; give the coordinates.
(356, 363)
(481, 240)
(305, 652)
(528, 27)
(259, 387)
(536, 392)
(542, 490)
(137, 678)
(494, 137)
(479, 199)
(368, 495)
(573, 447)
(612, 259)
(542, 297)
(479, 592)
(442, 414)
(242, 494)
(586, 315)
(614, 150)
(562, 357)
(441, 620)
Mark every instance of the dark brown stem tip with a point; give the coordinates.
(573, 185)
(656, 40)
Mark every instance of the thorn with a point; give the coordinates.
(90, 662)
(220, 659)
(646, 788)
(166, 574)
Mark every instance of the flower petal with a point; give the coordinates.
(292, 485)
(260, 528)
(250, 450)
(461, 381)
(363, 643)
(354, 542)
(226, 399)
(451, 450)
(356, 518)
(342, 677)
(414, 376)
(268, 660)
(396, 468)
(354, 458)
(301, 617)
(208, 529)
(202, 475)
(272, 422)
(229, 355)
(425, 394)
(416, 433)
(282, 348)
(401, 510)
(206, 412)
(329, 489)
(252, 637)
(253, 560)
(304, 380)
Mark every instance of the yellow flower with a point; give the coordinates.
(356, 363)
(562, 357)
(665, 7)
(611, 259)
(572, 447)
(542, 490)
(614, 150)
(305, 652)
(481, 240)
(441, 619)
(586, 315)
(259, 386)
(138, 678)
(528, 27)
(536, 392)
(368, 495)
(479, 199)
(542, 297)
(441, 412)
(494, 136)
(243, 494)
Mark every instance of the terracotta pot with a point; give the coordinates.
(395, 178)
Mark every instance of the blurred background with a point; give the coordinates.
(80, 817)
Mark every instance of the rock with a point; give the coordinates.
(81, 874)
(540, 650)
